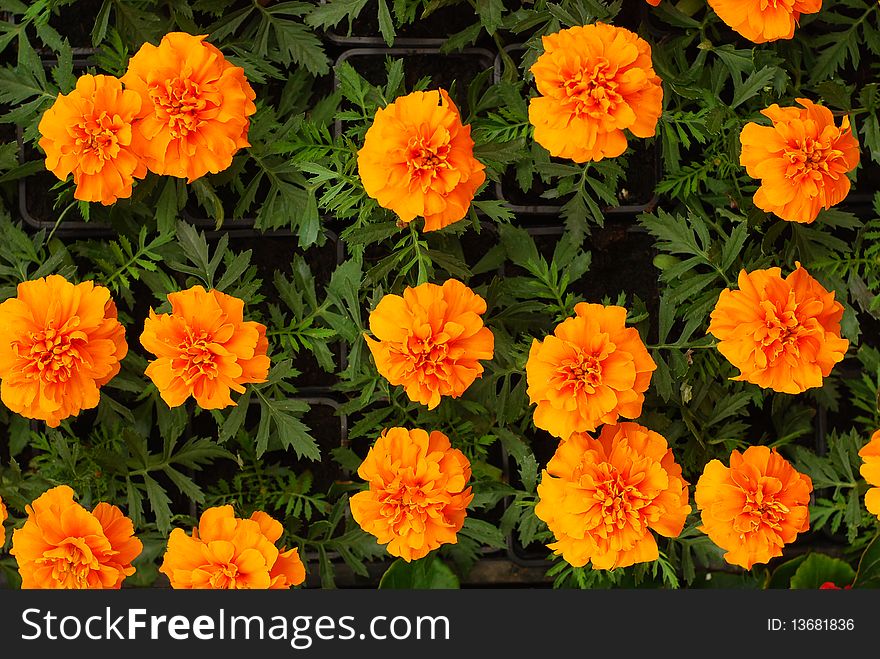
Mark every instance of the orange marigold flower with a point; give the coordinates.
(595, 81)
(592, 370)
(62, 343)
(205, 348)
(3, 516)
(64, 546)
(288, 569)
(195, 106)
(870, 471)
(602, 497)
(760, 21)
(801, 160)
(88, 133)
(782, 334)
(417, 499)
(226, 552)
(418, 160)
(430, 340)
(755, 506)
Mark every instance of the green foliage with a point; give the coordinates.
(289, 229)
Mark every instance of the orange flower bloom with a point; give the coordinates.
(870, 471)
(63, 343)
(801, 160)
(755, 506)
(602, 497)
(226, 552)
(64, 546)
(288, 569)
(654, 3)
(760, 21)
(592, 370)
(3, 516)
(418, 160)
(430, 340)
(88, 133)
(782, 334)
(417, 498)
(205, 348)
(195, 106)
(594, 81)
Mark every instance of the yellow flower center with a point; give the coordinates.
(405, 504)
(71, 563)
(811, 158)
(584, 371)
(617, 498)
(53, 354)
(180, 103)
(428, 353)
(223, 576)
(761, 508)
(196, 357)
(593, 89)
(96, 136)
(782, 329)
(427, 155)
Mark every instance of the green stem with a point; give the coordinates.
(58, 221)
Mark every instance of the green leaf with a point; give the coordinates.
(818, 569)
(781, 576)
(386, 26)
(483, 532)
(423, 574)
(160, 503)
(868, 574)
(753, 85)
(333, 11)
(490, 12)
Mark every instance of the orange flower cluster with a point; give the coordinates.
(88, 133)
(62, 342)
(418, 160)
(204, 348)
(195, 106)
(430, 340)
(760, 21)
(64, 546)
(870, 471)
(754, 507)
(782, 334)
(184, 112)
(594, 81)
(226, 552)
(3, 516)
(801, 160)
(418, 496)
(65, 342)
(602, 497)
(592, 370)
